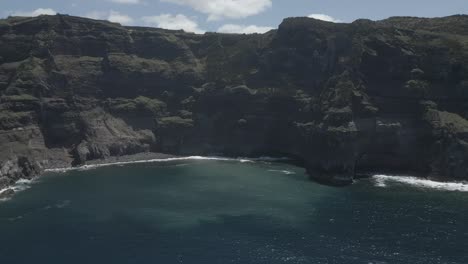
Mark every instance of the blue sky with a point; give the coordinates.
(234, 16)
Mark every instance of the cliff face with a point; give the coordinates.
(346, 99)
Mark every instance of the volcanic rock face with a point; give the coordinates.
(347, 99)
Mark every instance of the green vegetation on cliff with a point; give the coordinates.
(343, 98)
(140, 104)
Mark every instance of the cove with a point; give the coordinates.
(227, 211)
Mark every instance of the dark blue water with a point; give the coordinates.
(228, 212)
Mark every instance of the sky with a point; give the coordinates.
(230, 16)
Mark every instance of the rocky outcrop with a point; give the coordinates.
(106, 136)
(450, 146)
(345, 99)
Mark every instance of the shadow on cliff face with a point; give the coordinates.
(344, 98)
(370, 164)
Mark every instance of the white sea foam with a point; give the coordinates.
(283, 171)
(381, 181)
(93, 166)
(1, 192)
(20, 185)
(24, 184)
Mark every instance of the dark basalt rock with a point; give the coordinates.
(7, 194)
(345, 99)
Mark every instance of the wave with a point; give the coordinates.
(60, 205)
(20, 185)
(283, 171)
(24, 184)
(381, 181)
(94, 166)
(3, 191)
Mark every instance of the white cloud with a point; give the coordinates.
(37, 12)
(242, 29)
(112, 16)
(96, 15)
(218, 9)
(175, 22)
(117, 17)
(130, 2)
(325, 18)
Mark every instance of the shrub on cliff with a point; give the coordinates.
(417, 88)
(19, 98)
(140, 104)
(11, 120)
(240, 90)
(174, 122)
(171, 132)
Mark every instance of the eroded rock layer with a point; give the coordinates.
(346, 99)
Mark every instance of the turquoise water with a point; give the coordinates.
(201, 211)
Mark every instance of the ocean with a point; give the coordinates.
(211, 210)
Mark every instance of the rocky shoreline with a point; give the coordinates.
(130, 158)
(7, 191)
(343, 98)
(58, 166)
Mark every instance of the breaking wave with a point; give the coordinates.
(20, 185)
(24, 184)
(382, 180)
(242, 160)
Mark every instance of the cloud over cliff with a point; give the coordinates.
(219, 9)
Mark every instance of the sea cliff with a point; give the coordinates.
(344, 99)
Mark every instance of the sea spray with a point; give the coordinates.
(382, 180)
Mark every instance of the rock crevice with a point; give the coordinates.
(346, 99)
